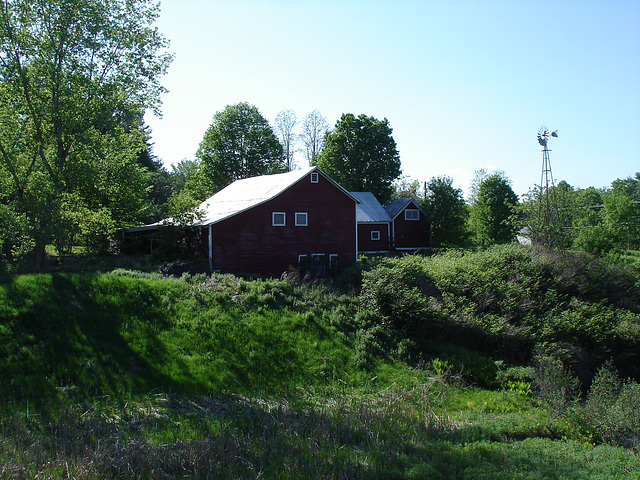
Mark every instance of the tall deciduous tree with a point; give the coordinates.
(76, 75)
(314, 126)
(239, 143)
(361, 155)
(494, 208)
(406, 187)
(447, 211)
(284, 126)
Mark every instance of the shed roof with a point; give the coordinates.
(369, 210)
(396, 207)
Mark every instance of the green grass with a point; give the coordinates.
(118, 334)
(133, 375)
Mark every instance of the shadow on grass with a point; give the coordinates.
(66, 334)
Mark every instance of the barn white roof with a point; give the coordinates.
(244, 194)
(247, 193)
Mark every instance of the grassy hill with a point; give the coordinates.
(457, 366)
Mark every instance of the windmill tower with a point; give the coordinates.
(548, 218)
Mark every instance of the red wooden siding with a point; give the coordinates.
(366, 244)
(411, 234)
(248, 242)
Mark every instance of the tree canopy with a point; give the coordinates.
(493, 209)
(76, 80)
(238, 144)
(447, 211)
(361, 155)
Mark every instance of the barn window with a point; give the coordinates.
(278, 219)
(314, 177)
(412, 214)
(301, 219)
(334, 262)
(375, 235)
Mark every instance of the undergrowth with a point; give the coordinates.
(457, 366)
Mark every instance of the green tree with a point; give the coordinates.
(361, 155)
(608, 220)
(75, 77)
(591, 232)
(238, 144)
(627, 211)
(182, 172)
(494, 208)
(561, 204)
(448, 212)
(406, 187)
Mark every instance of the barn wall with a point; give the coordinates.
(249, 243)
(411, 234)
(365, 244)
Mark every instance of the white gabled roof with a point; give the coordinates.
(369, 210)
(247, 193)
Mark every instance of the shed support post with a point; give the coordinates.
(210, 249)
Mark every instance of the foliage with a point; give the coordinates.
(135, 374)
(406, 187)
(493, 208)
(447, 212)
(77, 77)
(554, 383)
(509, 300)
(238, 144)
(561, 202)
(361, 155)
(602, 221)
(612, 407)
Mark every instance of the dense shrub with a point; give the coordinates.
(554, 383)
(507, 301)
(613, 407)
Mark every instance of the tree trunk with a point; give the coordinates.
(40, 255)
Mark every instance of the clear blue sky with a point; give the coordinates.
(465, 85)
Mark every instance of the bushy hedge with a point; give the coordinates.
(509, 301)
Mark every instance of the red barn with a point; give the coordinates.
(268, 224)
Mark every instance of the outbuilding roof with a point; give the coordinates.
(395, 207)
(369, 210)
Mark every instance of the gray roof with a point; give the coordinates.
(395, 207)
(245, 194)
(369, 210)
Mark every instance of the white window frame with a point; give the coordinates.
(306, 219)
(412, 210)
(314, 177)
(278, 224)
(375, 234)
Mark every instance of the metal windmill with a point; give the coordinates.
(548, 218)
